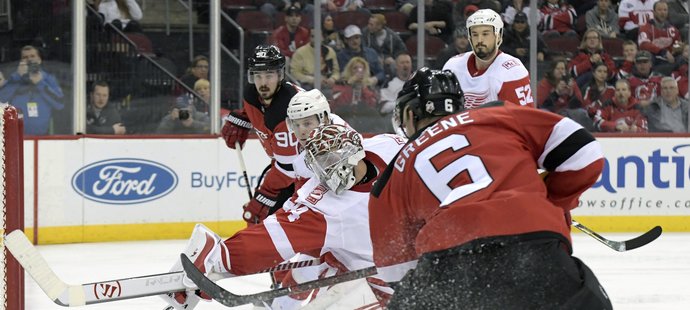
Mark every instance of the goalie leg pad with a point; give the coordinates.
(208, 252)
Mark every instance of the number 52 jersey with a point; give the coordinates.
(505, 79)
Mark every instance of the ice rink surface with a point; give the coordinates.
(656, 276)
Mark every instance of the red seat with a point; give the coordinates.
(343, 19)
(562, 46)
(396, 21)
(255, 21)
(613, 46)
(380, 5)
(142, 42)
(432, 47)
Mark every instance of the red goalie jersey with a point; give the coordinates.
(462, 187)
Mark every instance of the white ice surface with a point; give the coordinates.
(656, 276)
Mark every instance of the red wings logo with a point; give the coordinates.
(473, 100)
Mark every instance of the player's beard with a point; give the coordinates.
(483, 52)
(266, 92)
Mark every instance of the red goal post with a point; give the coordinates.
(12, 287)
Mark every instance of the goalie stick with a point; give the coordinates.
(72, 295)
(622, 246)
(229, 299)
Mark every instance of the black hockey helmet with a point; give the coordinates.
(266, 58)
(429, 93)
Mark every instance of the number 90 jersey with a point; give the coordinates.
(473, 175)
(506, 79)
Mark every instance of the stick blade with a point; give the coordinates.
(206, 285)
(643, 239)
(35, 265)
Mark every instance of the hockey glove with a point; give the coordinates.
(257, 209)
(236, 128)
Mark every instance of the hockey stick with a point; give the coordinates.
(71, 295)
(622, 246)
(229, 299)
(238, 149)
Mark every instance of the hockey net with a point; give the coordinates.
(11, 187)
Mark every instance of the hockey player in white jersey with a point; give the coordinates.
(328, 218)
(486, 74)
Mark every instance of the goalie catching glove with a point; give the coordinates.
(257, 209)
(236, 128)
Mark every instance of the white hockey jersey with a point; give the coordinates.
(635, 13)
(347, 215)
(506, 79)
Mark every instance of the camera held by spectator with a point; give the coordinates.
(33, 67)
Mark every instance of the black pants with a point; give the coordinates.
(535, 274)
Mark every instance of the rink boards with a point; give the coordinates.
(84, 189)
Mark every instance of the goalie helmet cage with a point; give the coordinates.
(12, 286)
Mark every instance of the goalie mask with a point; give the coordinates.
(428, 93)
(332, 152)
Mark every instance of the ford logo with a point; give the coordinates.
(124, 181)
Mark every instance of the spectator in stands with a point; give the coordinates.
(461, 44)
(558, 19)
(554, 74)
(644, 82)
(383, 40)
(334, 6)
(3, 81)
(516, 40)
(591, 51)
(356, 87)
(355, 99)
(184, 119)
(626, 65)
(668, 112)
(392, 86)
(353, 48)
(461, 7)
(331, 36)
(620, 113)
(291, 36)
(203, 88)
(678, 15)
(34, 91)
(598, 90)
(517, 6)
(271, 7)
(565, 101)
(603, 19)
(123, 14)
(681, 72)
(302, 67)
(198, 70)
(660, 38)
(460, 18)
(438, 16)
(102, 117)
(632, 14)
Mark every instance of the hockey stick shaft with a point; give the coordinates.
(231, 300)
(103, 291)
(238, 149)
(622, 246)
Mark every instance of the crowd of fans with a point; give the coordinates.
(644, 88)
